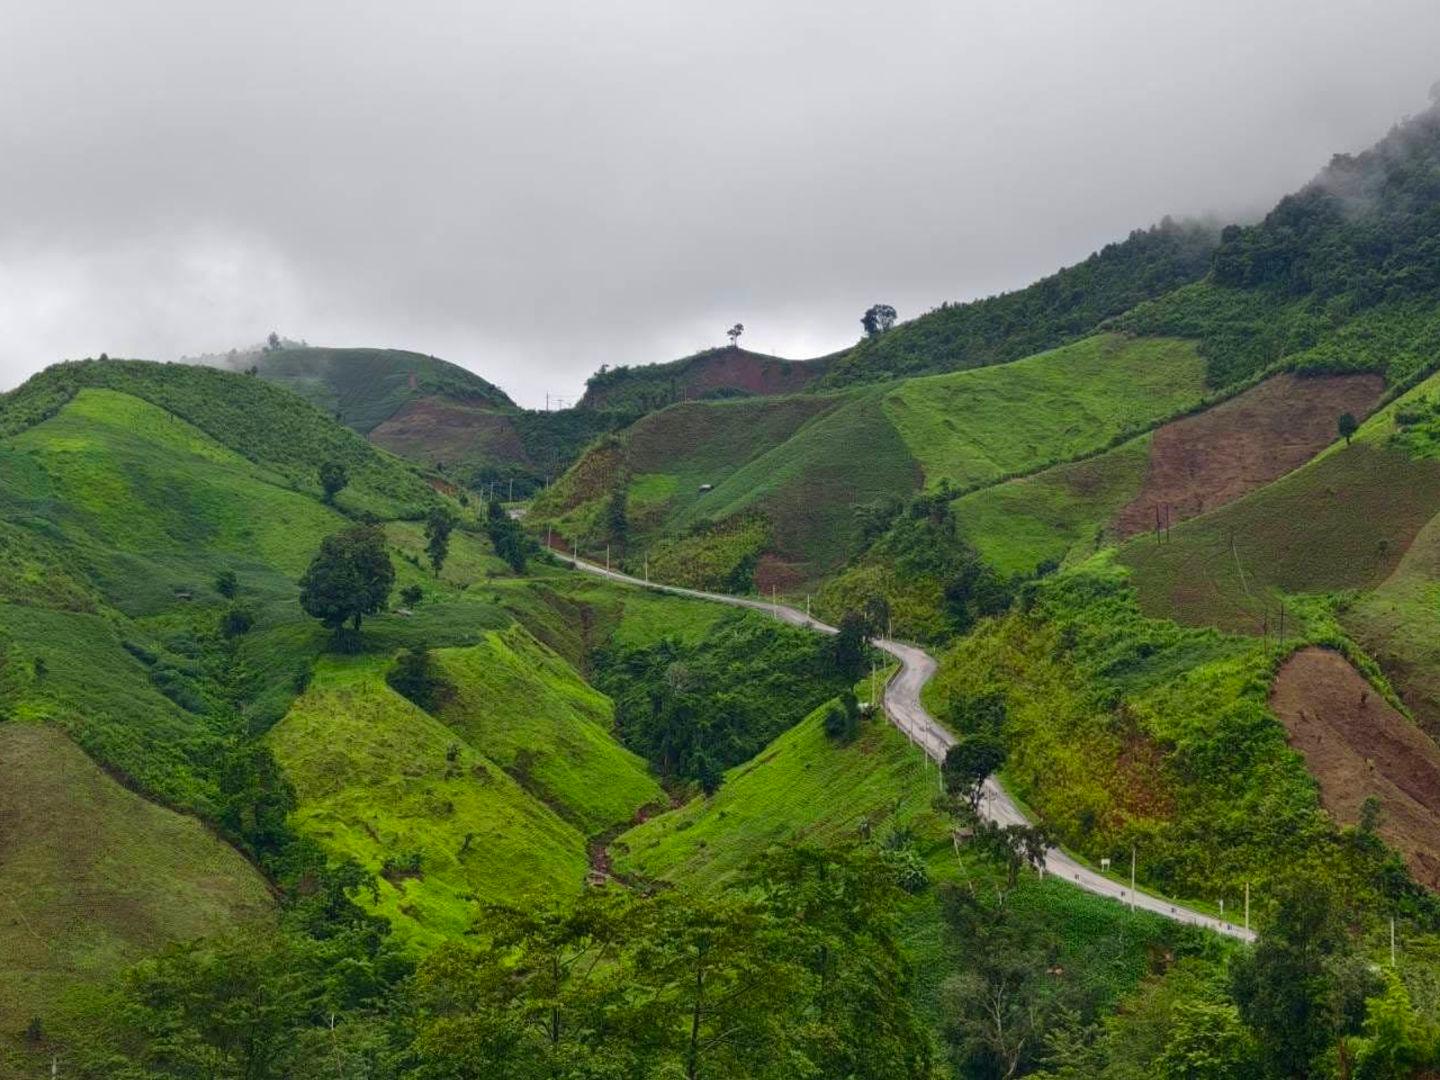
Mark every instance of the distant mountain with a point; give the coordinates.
(365, 387)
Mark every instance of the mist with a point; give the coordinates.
(535, 190)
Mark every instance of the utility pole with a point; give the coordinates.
(807, 605)
(1392, 941)
(773, 605)
(607, 558)
(872, 682)
(1247, 907)
(512, 489)
(647, 568)
(1132, 877)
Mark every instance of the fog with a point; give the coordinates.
(535, 189)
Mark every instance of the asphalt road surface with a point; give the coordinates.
(903, 707)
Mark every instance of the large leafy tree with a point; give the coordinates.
(349, 578)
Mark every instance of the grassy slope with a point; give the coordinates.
(265, 424)
(526, 710)
(808, 486)
(92, 876)
(977, 427)
(1054, 515)
(787, 792)
(1340, 522)
(375, 780)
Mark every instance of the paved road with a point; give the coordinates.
(903, 707)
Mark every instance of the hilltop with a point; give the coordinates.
(707, 375)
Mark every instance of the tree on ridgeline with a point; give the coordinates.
(349, 578)
(734, 333)
(877, 319)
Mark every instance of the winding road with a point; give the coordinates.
(903, 707)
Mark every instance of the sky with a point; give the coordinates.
(533, 189)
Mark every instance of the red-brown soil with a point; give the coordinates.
(1356, 745)
(431, 429)
(728, 369)
(1214, 457)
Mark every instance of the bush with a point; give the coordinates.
(414, 676)
(236, 620)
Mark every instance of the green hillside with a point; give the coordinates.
(379, 779)
(1067, 305)
(976, 427)
(785, 475)
(93, 877)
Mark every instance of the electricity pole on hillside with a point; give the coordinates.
(1132, 877)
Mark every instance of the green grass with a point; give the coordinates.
(374, 780)
(786, 793)
(808, 486)
(1053, 515)
(977, 427)
(266, 424)
(529, 712)
(93, 877)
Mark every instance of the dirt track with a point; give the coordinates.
(1357, 746)
(1214, 457)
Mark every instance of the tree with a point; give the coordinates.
(349, 578)
(1287, 987)
(272, 342)
(1208, 1042)
(415, 676)
(506, 537)
(842, 720)
(1347, 426)
(969, 763)
(1398, 1041)
(617, 522)
(236, 621)
(734, 333)
(411, 595)
(877, 319)
(847, 649)
(227, 584)
(438, 524)
(333, 478)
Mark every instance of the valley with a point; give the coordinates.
(1046, 685)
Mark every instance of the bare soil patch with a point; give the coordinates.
(1214, 457)
(1357, 746)
(431, 428)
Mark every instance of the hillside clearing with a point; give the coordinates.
(1358, 747)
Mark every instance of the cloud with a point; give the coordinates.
(536, 189)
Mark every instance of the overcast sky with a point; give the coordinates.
(532, 189)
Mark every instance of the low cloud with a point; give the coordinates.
(534, 190)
